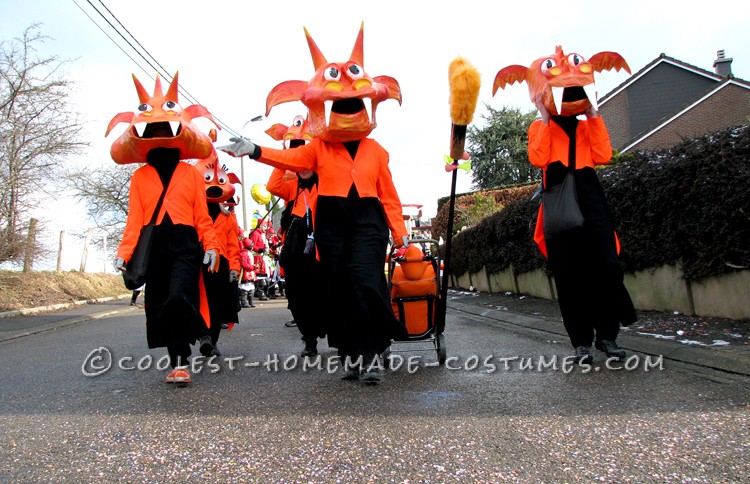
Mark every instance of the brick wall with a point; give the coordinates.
(728, 107)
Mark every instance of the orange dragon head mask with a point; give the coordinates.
(297, 134)
(219, 182)
(562, 83)
(160, 122)
(341, 98)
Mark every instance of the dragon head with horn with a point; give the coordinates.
(562, 84)
(160, 122)
(341, 98)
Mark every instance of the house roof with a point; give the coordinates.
(666, 121)
(663, 58)
(721, 83)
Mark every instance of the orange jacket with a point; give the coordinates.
(185, 201)
(337, 171)
(548, 143)
(288, 190)
(225, 228)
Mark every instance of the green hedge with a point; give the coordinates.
(688, 205)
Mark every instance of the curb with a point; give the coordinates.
(56, 307)
(724, 359)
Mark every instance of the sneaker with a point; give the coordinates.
(610, 348)
(179, 375)
(311, 349)
(583, 355)
(290, 324)
(206, 347)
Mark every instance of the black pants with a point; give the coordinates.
(222, 300)
(172, 301)
(589, 281)
(305, 291)
(352, 235)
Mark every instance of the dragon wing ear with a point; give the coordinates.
(509, 75)
(119, 118)
(285, 92)
(605, 61)
(233, 178)
(277, 131)
(394, 90)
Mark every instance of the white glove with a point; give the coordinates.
(210, 259)
(239, 147)
(233, 276)
(119, 264)
(405, 240)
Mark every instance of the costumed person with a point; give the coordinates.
(357, 201)
(160, 134)
(571, 138)
(298, 257)
(220, 290)
(247, 286)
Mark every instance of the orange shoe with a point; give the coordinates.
(179, 375)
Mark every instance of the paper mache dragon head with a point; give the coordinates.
(297, 134)
(341, 98)
(219, 182)
(160, 122)
(562, 83)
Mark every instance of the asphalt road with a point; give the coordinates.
(275, 422)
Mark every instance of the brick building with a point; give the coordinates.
(669, 100)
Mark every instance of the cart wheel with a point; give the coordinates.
(440, 346)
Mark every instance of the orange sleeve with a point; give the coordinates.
(201, 219)
(297, 159)
(391, 202)
(540, 144)
(233, 247)
(134, 222)
(286, 190)
(601, 147)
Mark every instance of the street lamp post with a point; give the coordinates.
(242, 177)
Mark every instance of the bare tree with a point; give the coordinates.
(105, 192)
(37, 131)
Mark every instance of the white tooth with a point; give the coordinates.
(557, 95)
(175, 125)
(368, 108)
(591, 94)
(328, 106)
(140, 128)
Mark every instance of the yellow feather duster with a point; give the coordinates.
(464, 82)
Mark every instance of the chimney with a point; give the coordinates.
(722, 65)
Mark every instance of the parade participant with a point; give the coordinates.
(220, 289)
(298, 256)
(247, 286)
(357, 201)
(568, 142)
(160, 134)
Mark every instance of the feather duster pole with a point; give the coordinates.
(464, 81)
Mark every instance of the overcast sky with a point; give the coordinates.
(231, 53)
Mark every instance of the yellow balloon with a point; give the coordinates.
(260, 194)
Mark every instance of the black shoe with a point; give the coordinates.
(290, 324)
(224, 326)
(311, 349)
(351, 374)
(583, 355)
(206, 347)
(610, 348)
(372, 377)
